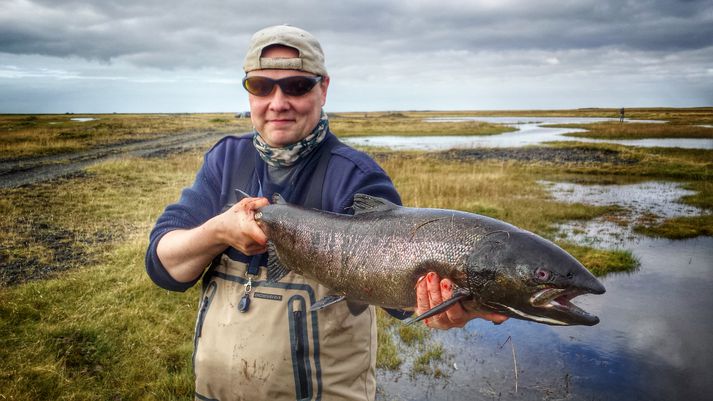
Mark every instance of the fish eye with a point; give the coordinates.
(542, 274)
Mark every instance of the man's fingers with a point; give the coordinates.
(434, 289)
(422, 302)
(455, 313)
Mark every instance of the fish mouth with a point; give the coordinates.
(559, 300)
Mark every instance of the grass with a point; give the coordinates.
(95, 327)
(99, 333)
(693, 115)
(40, 135)
(616, 130)
(406, 124)
(413, 344)
(101, 330)
(503, 190)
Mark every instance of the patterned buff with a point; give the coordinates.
(291, 154)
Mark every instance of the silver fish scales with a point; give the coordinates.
(377, 255)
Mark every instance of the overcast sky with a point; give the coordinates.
(96, 56)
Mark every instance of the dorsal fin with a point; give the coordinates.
(367, 204)
(277, 199)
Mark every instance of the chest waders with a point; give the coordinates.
(277, 349)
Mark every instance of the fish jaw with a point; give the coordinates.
(527, 277)
(558, 301)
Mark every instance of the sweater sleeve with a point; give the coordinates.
(197, 204)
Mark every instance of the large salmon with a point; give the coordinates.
(377, 255)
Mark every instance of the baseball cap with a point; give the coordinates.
(311, 57)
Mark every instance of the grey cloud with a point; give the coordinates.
(213, 33)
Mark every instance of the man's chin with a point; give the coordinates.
(280, 138)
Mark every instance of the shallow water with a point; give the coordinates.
(652, 342)
(530, 132)
(83, 119)
(651, 201)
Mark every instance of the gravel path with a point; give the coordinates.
(14, 173)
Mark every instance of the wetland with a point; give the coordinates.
(79, 319)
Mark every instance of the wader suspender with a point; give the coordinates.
(313, 199)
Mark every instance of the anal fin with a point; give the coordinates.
(457, 296)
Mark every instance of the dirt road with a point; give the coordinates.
(14, 173)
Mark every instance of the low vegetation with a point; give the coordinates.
(49, 134)
(616, 130)
(80, 320)
(406, 124)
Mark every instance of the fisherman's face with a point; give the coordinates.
(281, 119)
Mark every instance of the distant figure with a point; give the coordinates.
(621, 115)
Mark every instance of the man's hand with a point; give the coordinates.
(238, 228)
(186, 253)
(432, 291)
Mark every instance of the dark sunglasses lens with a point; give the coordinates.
(259, 86)
(297, 86)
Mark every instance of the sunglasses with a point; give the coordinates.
(291, 86)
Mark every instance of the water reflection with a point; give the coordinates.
(531, 131)
(651, 344)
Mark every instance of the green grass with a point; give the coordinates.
(504, 190)
(616, 130)
(426, 362)
(406, 124)
(98, 333)
(24, 136)
(98, 329)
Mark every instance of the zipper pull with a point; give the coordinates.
(244, 303)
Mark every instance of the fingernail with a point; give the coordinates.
(430, 277)
(446, 286)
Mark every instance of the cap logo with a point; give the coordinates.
(280, 63)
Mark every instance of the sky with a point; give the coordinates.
(150, 56)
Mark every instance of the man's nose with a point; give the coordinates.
(279, 101)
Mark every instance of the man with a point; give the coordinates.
(255, 339)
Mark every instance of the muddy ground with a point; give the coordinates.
(18, 172)
(538, 154)
(69, 249)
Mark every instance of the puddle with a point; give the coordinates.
(652, 337)
(650, 201)
(531, 131)
(83, 119)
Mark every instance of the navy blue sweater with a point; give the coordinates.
(348, 172)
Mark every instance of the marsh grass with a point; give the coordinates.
(686, 116)
(406, 124)
(101, 330)
(40, 135)
(97, 329)
(616, 130)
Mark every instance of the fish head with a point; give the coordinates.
(522, 275)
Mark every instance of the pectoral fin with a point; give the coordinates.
(355, 308)
(275, 269)
(457, 296)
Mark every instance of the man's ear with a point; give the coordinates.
(325, 85)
